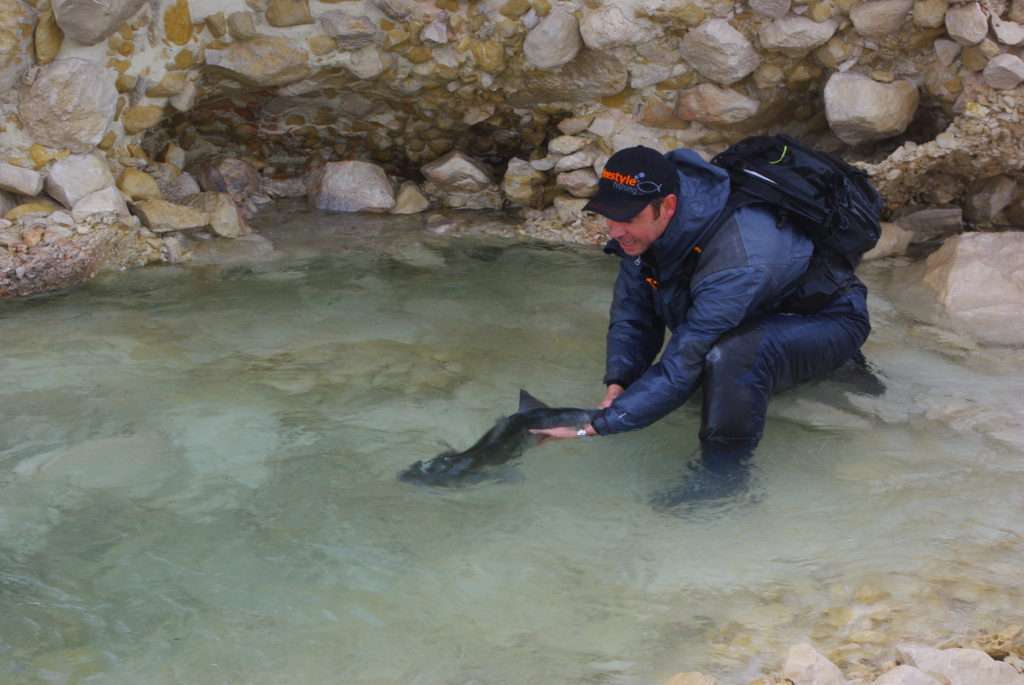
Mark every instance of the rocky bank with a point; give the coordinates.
(130, 127)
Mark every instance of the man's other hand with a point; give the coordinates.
(614, 390)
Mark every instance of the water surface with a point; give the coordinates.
(197, 482)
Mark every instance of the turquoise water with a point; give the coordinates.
(197, 482)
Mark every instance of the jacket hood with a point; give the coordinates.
(703, 192)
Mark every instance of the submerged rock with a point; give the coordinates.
(960, 666)
(806, 666)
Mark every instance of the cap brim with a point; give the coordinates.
(616, 209)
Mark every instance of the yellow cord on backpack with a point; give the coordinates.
(785, 149)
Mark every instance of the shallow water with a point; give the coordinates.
(197, 483)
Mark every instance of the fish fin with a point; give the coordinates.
(528, 402)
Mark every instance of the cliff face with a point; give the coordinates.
(494, 103)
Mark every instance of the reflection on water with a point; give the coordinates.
(197, 484)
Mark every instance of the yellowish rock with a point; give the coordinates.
(119, 65)
(419, 54)
(822, 11)
(515, 8)
(125, 83)
(108, 141)
(171, 84)
(449, 5)
(40, 206)
(973, 58)
(692, 678)
(217, 25)
(127, 49)
(138, 185)
(284, 13)
(141, 117)
(184, 59)
(41, 155)
(489, 55)
(321, 45)
(178, 23)
(541, 7)
(48, 38)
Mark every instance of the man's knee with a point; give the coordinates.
(732, 356)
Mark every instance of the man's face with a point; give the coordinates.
(637, 234)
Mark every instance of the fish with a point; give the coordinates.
(506, 440)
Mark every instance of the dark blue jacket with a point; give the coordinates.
(747, 267)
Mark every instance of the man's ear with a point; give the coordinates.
(669, 204)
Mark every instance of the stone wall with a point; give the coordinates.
(487, 104)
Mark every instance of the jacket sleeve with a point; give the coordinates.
(635, 331)
(721, 301)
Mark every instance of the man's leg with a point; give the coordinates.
(740, 373)
(769, 355)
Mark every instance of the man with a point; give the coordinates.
(727, 290)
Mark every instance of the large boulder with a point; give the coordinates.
(860, 109)
(351, 186)
(796, 35)
(88, 22)
(967, 24)
(162, 216)
(16, 20)
(70, 104)
(879, 18)
(719, 52)
(713, 105)
(106, 201)
(612, 25)
(76, 176)
(978, 279)
(554, 41)
(262, 61)
(961, 666)
(456, 171)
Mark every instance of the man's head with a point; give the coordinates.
(637, 194)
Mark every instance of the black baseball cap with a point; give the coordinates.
(633, 178)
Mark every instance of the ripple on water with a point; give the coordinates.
(197, 484)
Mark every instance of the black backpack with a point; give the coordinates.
(833, 203)
(829, 200)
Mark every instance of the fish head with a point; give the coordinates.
(444, 469)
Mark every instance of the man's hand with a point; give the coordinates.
(561, 433)
(614, 390)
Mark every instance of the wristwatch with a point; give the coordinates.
(581, 433)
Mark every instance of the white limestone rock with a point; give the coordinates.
(906, 675)
(579, 183)
(611, 26)
(972, 666)
(988, 197)
(878, 18)
(410, 200)
(88, 22)
(351, 186)
(554, 41)
(710, 104)
(1004, 72)
(109, 200)
(366, 63)
(577, 160)
(456, 171)
(19, 180)
(643, 74)
(967, 24)
(776, 9)
(860, 109)
(796, 35)
(976, 277)
(1007, 32)
(719, 52)
(806, 666)
(70, 104)
(75, 176)
(592, 75)
(566, 145)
